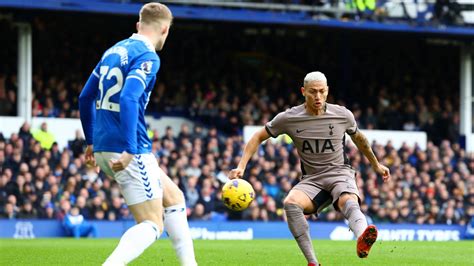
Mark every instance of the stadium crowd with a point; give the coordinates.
(242, 79)
(247, 78)
(229, 112)
(427, 187)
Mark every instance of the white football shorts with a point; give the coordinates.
(140, 181)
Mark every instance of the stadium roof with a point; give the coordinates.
(219, 13)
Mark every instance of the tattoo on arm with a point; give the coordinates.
(363, 145)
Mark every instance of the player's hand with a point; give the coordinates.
(90, 160)
(122, 162)
(236, 173)
(383, 171)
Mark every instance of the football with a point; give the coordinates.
(237, 194)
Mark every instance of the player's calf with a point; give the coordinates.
(136, 239)
(295, 204)
(351, 210)
(176, 221)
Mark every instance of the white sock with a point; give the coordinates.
(135, 240)
(176, 224)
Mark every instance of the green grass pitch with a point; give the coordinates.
(256, 252)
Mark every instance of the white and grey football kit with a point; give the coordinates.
(320, 142)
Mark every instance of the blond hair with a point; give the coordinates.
(155, 13)
(315, 76)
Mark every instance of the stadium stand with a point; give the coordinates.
(429, 187)
(399, 86)
(403, 67)
(423, 99)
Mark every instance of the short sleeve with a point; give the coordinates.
(277, 125)
(145, 69)
(351, 124)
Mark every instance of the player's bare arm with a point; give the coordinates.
(249, 150)
(363, 145)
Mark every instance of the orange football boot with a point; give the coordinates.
(366, 240)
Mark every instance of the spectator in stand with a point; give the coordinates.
(199, 213)
(7, 97)
(44, 137)
(78, 144)
(27, 211)
(76, 226)
(83, 209)
(191, 192)
(9, 212)
(447, 12)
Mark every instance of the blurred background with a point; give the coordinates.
(404, 67)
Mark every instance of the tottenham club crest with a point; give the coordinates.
(331, 127)
(146, 67)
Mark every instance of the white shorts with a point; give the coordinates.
(140, 181)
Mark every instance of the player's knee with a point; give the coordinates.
(289, 200)
(179, 197)
(299, 198)
(173, 197)
(157, 221)
(157, 224)
(344, 197)
(149, 210)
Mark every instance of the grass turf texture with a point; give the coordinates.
(255, 252)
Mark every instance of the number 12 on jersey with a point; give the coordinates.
(104, 101)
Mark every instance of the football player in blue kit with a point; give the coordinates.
(112, 106)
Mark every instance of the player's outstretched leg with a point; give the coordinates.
(349, 206)
(140, 236)
(176, 222)
(298, 225)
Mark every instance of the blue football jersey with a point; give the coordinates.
(126, 73)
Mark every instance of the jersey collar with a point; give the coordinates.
(144, 39)
(325, 108)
